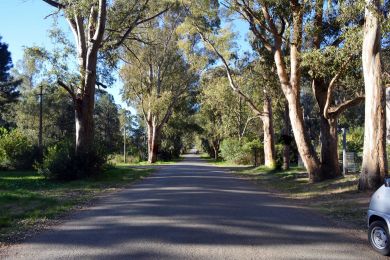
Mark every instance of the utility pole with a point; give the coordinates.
(124, 143)
(40, 142)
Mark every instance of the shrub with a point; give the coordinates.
(61, 163)
(16, 150)
(238, 152)
(279, 149)
(355, 139)
(256, 149)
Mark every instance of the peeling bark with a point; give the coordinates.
(374, 167)
(269, 136)
(286, 137)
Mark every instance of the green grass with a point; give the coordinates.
(220, 162)
(143, 163)
(28, 201)
(336, 198)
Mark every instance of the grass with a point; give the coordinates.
(28, 201)
(143, 163)
(336, 198)
(219, 162)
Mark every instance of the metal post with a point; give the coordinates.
(344, 131)
(124, 143)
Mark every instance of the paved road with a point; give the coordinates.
(193, 211)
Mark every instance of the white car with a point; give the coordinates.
(378, 217)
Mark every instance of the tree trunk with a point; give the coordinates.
(374, 166)
(269, 137)
(305, 147)
(153, 139)
(329, 148)
(216, 149)
(286, 138)
(328, 128)
(291, 89)
(84, 123)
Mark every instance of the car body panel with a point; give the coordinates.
(380, 204)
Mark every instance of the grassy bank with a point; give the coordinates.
(146, 163)
(219, 162)
(28, 201)
(337, 198)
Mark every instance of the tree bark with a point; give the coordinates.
(328, 128)
(153, 141)
(374, 167)
(305, 148)
(269, 136)
(291, 89)
(286, 138)
(216, 149)
(329, 148)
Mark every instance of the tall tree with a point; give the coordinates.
(8, 85)
(268, 21)
(157, 76)
(374, 166)
(96, 24)
(218, 45)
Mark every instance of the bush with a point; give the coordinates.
(16, 150)
(256, 149)
(235, 151)
(355, 139)
(61, 163)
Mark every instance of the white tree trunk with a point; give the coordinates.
(374, 166)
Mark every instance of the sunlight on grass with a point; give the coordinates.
(27, 199)
(337, 198)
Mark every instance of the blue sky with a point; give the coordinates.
(23, 24)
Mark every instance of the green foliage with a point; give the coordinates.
(355, 139)
(16, 150)
(61, 163)
(107, 125)
(240, 152)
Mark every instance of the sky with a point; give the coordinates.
(23, 24)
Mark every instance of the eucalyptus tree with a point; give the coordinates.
(157, 76)
(374, 166)
(98, 25)
(278, 25)
(331, 59)
(217, 44)
(213, 115)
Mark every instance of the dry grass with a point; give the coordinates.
(336, 198)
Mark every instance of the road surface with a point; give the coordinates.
(191, 210)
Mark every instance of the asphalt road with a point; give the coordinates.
(193, 211)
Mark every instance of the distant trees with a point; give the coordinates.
(8, 85)
(157, 77)
(107, 125)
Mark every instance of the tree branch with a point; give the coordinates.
(332, 85)
(55, 4)
(102, 15)
(229, 75)
(67, 88)
(336, 111)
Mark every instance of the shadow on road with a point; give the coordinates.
(190, 210)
